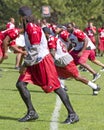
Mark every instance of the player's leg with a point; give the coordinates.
(18, 61)
(82, 61)
(92, 58)
(94, 86)
(25, 95)
(72, 116)
(62, 82)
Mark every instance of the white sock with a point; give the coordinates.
(92, 85)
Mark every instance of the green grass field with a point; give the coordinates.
(89, 108)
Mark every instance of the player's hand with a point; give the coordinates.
(24, 53)
(80, 54)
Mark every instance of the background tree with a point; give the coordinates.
(62, 11)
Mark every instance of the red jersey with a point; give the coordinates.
(64, 35)
(42, 72)
(89, 31)
(63, 60)
(78, 37)
(12, 33)
(34, 33)
(101, 33)
(60, 50)
(36, 43)
(52, 42)
(79, 34)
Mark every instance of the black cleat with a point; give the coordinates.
(72, 118)
(96, 91)
(29, 116)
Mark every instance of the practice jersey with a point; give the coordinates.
(101, 33)
(12, 33)
(35, 38)
(63, 36)
(61, 53)
(78, 37)
(74, 40)
(89, 31)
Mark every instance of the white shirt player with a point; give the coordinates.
(20, 41)
(36, 52)
(62, 57)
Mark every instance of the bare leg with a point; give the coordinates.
(97, 62)
(89, 68)
(18, 60)
(94, 86)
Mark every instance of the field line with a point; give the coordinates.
(55, 114)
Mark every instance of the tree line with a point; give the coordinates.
(62, 11)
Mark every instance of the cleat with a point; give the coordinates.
(95, 77)
(29, 116)
(96, 91)
(72, 118)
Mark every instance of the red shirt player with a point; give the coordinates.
(101, 39)
(6, 37)
(64, 62)
(39, 68)
(91, 31)
(10, 24)
(82, 49)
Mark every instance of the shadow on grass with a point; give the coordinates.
(16, 119)
(75, 93)
(7, 68)
(36, 91)
(7, 118)
(8, 89)
(39, 120)
(7, 63)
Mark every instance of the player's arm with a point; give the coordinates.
(71, 44)
(6, 42)
(85, 43)
(16, 49)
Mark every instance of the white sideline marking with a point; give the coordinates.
(55, 115)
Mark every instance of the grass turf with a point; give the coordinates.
(89, 108)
